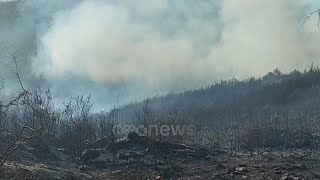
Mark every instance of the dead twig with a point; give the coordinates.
(15, 70)
(309, 15)
(18, 142)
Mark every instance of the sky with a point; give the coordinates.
(151, 47)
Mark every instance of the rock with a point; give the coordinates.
(27, 148)
(99, 143)
(184, 152)
(58, 153)
(131, 160)
(131, 142)
(137, 155)
(231, 169)
(316, 175)
(116, 172)
(126, 156)
(242, 170)
(301, 167)
(90, 154)
(242, 165)
(159, 178)
(83, 168)
(48, 174)
(287, 177)
(137, 143)
(201, 153)
(62, 149)
(262, 170)
(218, 176)
(133, 136)
(122, 156)
(220, 167)
(24, 171)
(41, 171)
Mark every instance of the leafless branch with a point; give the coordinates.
(15, 100)
(309, 15)
(15, 70)
(20, 139)
(13, 57)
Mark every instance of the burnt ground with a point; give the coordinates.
(223, 166)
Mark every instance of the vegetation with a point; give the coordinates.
(275, 111)
(278, 113)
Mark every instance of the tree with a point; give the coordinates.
(26, 132)
(77, 127)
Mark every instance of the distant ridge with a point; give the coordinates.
(289, 91)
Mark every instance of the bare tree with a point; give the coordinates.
(113, 120)
(26, 132)
(77, 127)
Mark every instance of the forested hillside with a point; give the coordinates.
(80, 83)
(289, 91)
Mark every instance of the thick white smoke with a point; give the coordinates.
(176, 45)
(263, 35)
(143, 47)
(120, 42)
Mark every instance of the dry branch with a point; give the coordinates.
(20, 139)
(309, 15)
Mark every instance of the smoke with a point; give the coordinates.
(144, 47)
(158, 45)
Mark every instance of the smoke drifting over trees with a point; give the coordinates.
(145, 48)
(107, 89)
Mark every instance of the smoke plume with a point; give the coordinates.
(144, 47)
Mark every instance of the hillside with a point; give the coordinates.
(256, 128)
(274, 90)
